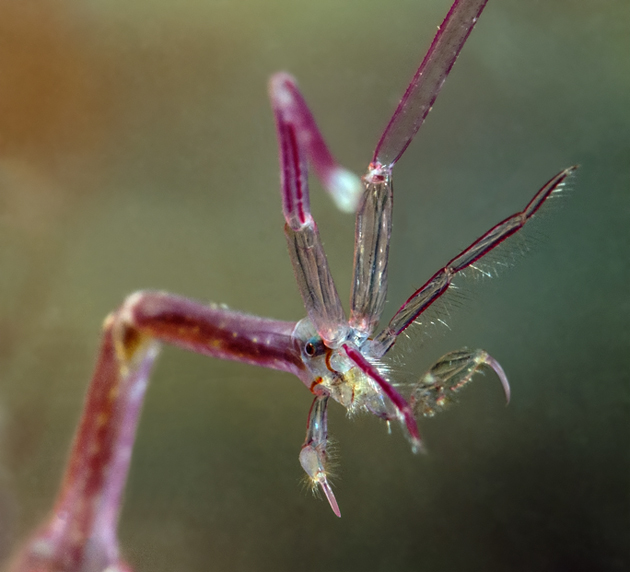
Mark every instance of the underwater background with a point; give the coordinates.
(137, 150)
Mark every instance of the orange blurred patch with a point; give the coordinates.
(50, 99)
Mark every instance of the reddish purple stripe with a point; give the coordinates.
(398, 400)
(491, 245)
(316, 148)
(297, 175)
(417, 78)
(428, 302)
(549, 187)
(450, 270)
(218, 332)
(287, 196)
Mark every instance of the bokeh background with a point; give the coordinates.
(137, 150)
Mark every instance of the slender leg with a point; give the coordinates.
(215, 331)
(343, 185)
(438, 386)
(313, 457)
(422, 298)
(427, 82)
(373, 227)
(80, 534)
(371, 250)
(309, 261)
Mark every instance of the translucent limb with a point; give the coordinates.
(405, 414)
(371, 249)
(316, 284)
(438, 386)
(421, 299)
(427, 82)
(313, 456)
(215, 331)
(80, 534)
(373, 228)
(296, 119)
(313, 276)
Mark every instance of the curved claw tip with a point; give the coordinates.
(496, 366)
(331, 497)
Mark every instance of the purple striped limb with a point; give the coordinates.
(316, 284)
(373, 227)
(215, 331)
(298, 134)
(80, 533)
(293, 168)
(403, 410)
(298, 137)
(439, 283)
(427, 82)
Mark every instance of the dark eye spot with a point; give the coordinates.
(309, 349)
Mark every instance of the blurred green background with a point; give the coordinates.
(137, 150)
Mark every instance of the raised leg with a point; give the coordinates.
(438, 386)
(373, 227)
(343, 185)
(371, 251)
(80, 534)
(297, 135)
(422, 298)
(427, 82)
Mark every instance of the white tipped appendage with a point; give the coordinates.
(345, 188)
(312, 462)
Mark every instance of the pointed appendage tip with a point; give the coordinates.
(331, 498)
(496, 366)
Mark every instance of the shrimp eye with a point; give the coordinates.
(314, 347)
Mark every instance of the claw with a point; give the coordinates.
(330, 496)
(313, 462)
(496, 366)
(437, 388)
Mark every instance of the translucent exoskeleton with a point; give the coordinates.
(337, 357)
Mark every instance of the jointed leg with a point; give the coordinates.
(422, 298)
(369, 286)
(80, 534)
(438, 386)
(297, 137)
(313, 457)
(371, 250)
(427, 81)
